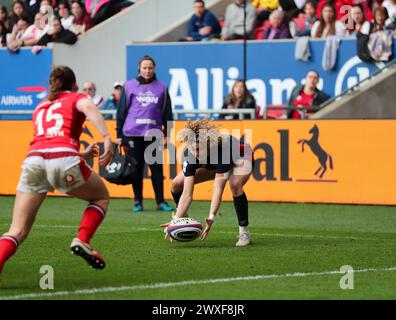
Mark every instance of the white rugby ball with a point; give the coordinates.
(184, 229)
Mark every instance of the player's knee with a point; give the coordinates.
(236, 188)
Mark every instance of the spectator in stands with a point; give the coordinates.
(111, 102)
(306, 95)
(234, 20)
(390, 6)
(18, 12)
(263, 10)
(327, 24)
(4, 17)
(45, 7)
(203, 24)
(359, 23)
(56, 33)
(3, 35)
(65, 14)
(380, 16)
(380, 38)
(278, 28)
(15, 38)
(374, 42)
(90, 89)
(339, 4)
(34, 32)
(239, 98)
(82, 22)
(302, 25)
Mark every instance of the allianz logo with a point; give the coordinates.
(212, 84)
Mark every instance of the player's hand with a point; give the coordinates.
(208, 226)
(165, 226)
(108, 153)
(118, 141)
(91, 151)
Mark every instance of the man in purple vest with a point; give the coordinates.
(143, 110)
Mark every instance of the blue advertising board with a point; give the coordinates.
(23, 79)
(199, 75)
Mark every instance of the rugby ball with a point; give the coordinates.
(184, 229)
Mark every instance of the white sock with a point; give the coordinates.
(243, 229)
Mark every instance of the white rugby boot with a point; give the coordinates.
(244, 240)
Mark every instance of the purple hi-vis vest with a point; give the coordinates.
(146, 103)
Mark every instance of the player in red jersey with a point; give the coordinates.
(54, 162)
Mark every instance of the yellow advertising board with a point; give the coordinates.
(328, 161)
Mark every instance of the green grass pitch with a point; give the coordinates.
(295, 249)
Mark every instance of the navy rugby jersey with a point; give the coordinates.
(217, 160)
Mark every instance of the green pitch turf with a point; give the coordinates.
(295, 249)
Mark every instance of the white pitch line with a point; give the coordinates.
(284, 235)
(287, 235)
(185, 283)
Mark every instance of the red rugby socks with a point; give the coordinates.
(91, 220)
(8, 246)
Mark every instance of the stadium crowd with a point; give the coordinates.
(30, 20)
(33, 23)
(285, 19)
(371, 22)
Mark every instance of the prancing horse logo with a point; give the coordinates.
(317, 150)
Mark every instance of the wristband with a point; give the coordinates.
(106, 135)
(211, 216)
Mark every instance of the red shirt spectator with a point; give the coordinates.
(307, 95)
(302, 100)
(338, 4)
(82, 22)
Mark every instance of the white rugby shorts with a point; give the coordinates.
(56, 168)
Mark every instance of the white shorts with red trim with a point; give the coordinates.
(56, 168)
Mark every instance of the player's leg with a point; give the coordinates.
(157, 180)
(135, 149)
(157, 176)
(25, 210)
(177, 187)
(95, 192)
(238, 178)
(201, 175)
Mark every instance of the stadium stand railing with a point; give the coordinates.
(192, 113)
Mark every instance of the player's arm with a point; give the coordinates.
(186, 197)
(218, 189)
(91, 112)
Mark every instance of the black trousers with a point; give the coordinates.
(136, 148)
